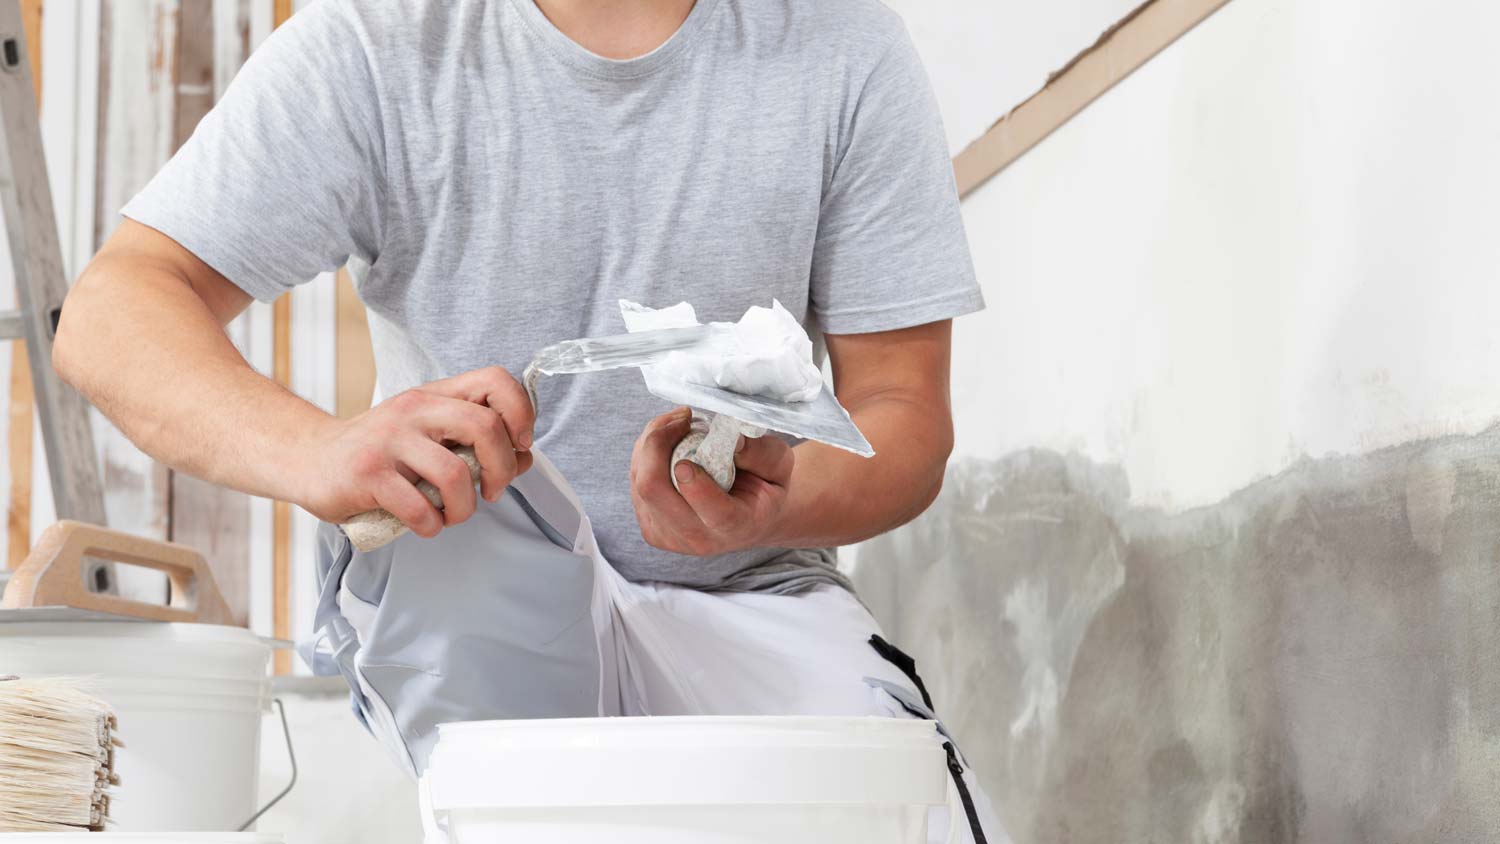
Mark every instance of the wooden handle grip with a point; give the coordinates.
(52, 575)
(375, 528)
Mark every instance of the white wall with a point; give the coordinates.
(985, 57)
(1275, 239)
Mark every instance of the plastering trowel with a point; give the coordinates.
(720, 417)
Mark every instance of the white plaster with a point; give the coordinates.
(1275, 239)
(766, 353)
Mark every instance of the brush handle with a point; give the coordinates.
(52, 575)
(710, 444)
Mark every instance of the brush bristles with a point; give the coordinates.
(56, 756)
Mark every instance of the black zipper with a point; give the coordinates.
(908, 666)
(957, 770)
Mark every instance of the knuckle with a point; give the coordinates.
(454, 473)
(497, 379)
(367, 463)
(407, 402)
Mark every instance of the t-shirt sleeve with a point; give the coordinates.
(285, 177)
(891, 251)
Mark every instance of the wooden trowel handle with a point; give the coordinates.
(375, 528)
(52, 575)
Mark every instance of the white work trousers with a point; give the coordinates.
(412, 628)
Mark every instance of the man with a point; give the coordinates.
(498, 174)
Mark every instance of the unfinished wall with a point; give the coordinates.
(1218, 559)
(984, 58)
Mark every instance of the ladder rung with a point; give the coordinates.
(12, 325)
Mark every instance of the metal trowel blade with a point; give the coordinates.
(640, 348)
(822, 419)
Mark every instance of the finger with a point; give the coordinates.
(396, 495)
(651, 481)
(755, 494)
(456, 420)
(497, 388)
(658, 438)
(444, 470)
(769, 457)
(713, 506)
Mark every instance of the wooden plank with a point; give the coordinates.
(355, 359)
(281, 513)
(137, 97)
(213, 519)
(195, 68)
(1148, 30)
(22, 397)
(18, 452)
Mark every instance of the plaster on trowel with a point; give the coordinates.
(721, 416)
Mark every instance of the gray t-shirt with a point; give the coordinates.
(496, 188)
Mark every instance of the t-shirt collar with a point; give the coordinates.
(577, 56)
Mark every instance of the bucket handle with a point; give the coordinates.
(291, 757)
(52, 575)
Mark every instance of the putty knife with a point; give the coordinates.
(711, 443)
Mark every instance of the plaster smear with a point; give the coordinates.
(1310, 659)
(768, 353)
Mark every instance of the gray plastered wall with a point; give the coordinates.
(1312, 658)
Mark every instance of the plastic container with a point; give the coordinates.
(189, 699)
(139, 838)
(711, 780)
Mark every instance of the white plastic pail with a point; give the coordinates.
(719, 780)
(139, 838)
(189, 699)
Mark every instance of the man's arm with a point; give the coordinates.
(142, 336)
(895, 386)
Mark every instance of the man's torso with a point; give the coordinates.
(531, 186)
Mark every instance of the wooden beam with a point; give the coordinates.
(212, 519)
(22, 395)
(281, 511)
(1123, 48)
(354, 373)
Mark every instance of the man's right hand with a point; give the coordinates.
(374, 459)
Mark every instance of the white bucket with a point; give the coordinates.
(139, 838)
(791, 780)
(189, 699)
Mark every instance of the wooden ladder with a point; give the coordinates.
(37, 268)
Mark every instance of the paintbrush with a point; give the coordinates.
(57, 752)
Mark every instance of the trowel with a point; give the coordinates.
(720, 416)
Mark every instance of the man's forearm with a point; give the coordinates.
(837, 498)
(148, 351)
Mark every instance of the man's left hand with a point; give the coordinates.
(703, 520)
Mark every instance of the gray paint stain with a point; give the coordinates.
(1315, 658)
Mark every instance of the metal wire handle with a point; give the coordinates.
(291, 756)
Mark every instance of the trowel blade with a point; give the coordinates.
(640, 348)
(822, 419)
